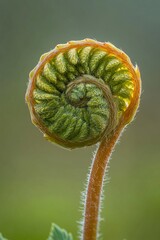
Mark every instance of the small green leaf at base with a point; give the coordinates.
(2, 238)
(58, 233)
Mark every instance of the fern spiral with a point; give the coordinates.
(80, 91)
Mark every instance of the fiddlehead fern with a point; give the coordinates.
(81, 93)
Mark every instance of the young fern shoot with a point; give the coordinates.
(82, 93)
(79, 94)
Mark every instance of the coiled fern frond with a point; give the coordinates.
(80, 91)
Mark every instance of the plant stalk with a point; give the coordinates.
(95, 185)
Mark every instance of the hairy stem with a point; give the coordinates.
(95, 185)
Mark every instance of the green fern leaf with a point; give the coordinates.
(58, 234)
(2, 238)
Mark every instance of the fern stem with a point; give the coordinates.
(95, 185)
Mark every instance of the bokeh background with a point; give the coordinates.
(41, 183)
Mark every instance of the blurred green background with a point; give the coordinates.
(41, 183)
